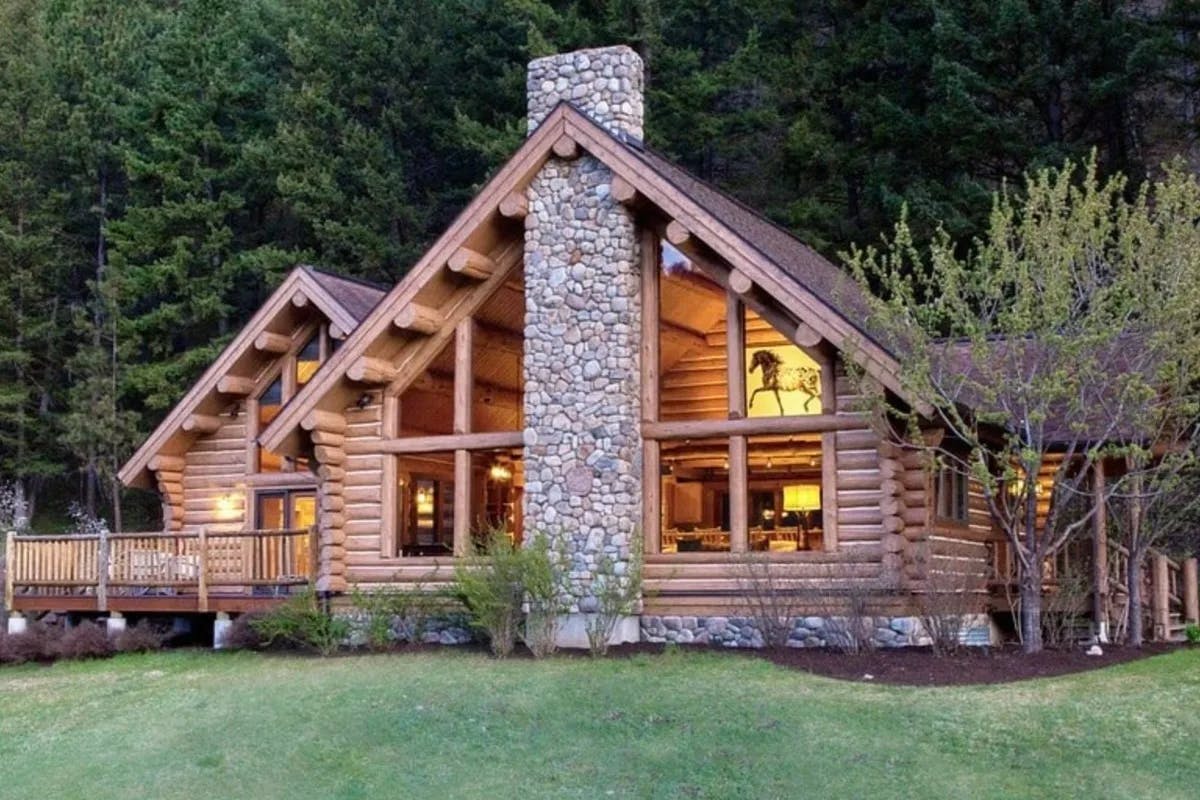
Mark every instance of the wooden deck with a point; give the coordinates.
(188, 571)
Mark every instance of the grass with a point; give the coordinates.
(684, 724)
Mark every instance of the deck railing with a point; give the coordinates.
(199, 562)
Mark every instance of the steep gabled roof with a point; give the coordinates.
(344, 302)
(812, 289)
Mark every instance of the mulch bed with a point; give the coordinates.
(917, 666)
(905, 666)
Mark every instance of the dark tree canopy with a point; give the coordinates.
(162, 164)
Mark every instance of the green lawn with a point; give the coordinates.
(684, 724)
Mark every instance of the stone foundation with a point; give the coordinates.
(449, 629)
(806, 632)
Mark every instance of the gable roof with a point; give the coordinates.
(345, 302)
(811, 288)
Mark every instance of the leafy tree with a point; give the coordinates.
(1067, 335)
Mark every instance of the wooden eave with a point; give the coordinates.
(483, 227)
(239, 357)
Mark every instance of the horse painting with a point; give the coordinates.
(777, 378)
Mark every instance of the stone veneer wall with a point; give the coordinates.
(583, 481)
(806, 631)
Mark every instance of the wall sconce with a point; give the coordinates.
(364, 400)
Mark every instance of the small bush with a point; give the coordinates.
(1192, 633)
(242, 635)
(544, 591)
(618, 592)
(945, 609)
(491, 586)
(143, 637)
(300, 621)
(38, 642)
(85, 640)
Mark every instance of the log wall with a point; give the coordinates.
(214, 478)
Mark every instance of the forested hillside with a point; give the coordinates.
(162, 164)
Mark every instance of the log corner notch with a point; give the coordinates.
(168, 477)
(328, 432)
(470, 264)
(893, 508)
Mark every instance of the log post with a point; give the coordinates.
(735, 358)
(314, 544)
(1191, 592)
(462, 501)
(464, 380)
(10, 544)
(202, 578)
(1099, 555)
(651, 356)
(102, 566)
(1160, 596)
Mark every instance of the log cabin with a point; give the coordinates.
(601, 348)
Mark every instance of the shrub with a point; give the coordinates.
(945, 608)
(85, 640)
(849, 625)
(300, 621)
(394, 615)
(617, 591)
(771, 600)
(242, 635)
(1192, 633)
(542, 579)
(491, 586)
(39, 642)
(143, 637)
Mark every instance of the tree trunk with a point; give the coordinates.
(1133, 585)
(1031, 609)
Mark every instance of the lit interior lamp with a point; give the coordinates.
(500, 473)
(227, 507)
(424, 502)
(800, 499)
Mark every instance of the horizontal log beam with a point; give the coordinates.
(202, 423)
(236, 385)
(162, 463)
(371, 370)
(336, 332)
(752, 426)
(566, 148)
(300, 300)
(268, 342)
(419, 318)
(515, 205)
(677, 233)
(325, 421)
(439, 444)
(806, 336)
(623, 191)
(739, 282)
(471, 264)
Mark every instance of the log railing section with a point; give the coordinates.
(194, 563)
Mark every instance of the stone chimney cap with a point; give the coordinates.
(606, 83)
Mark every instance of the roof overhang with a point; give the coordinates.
(562, 133)
(299, 289)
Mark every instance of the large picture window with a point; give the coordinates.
(726, 359)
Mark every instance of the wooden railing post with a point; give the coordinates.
(10, 545)
(102, 559)
(1191, 591)
(202, 578)
(1161, 596)
(314, 543)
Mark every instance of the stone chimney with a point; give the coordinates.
(583, 466)
(604, 83)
